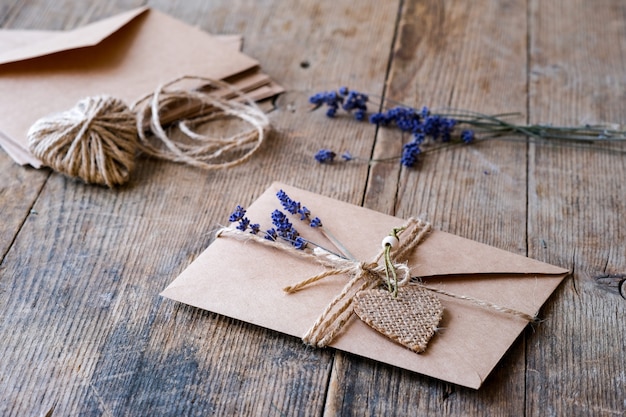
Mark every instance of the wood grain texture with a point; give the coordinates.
(576, 208)
(84, 332)
(19, 189)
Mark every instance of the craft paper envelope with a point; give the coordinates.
(126, 56)
(244, 280)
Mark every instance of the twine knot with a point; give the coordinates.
(371, 268)
(364, 276)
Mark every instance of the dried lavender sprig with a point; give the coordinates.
(497, 123)
(284, 229)
(238, 215)
(295, 207)
(421, 124)
(439, 126)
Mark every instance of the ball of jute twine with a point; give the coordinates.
(99, 139)
(96, 140)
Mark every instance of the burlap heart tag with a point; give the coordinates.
(410, 319)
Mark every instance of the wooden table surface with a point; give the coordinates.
(84, 331)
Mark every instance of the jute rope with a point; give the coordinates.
(203, 151)
(99, 139)
(363, 276)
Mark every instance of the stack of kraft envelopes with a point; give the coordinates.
(125, 56)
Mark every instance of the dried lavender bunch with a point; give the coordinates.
(283, 228)
(453, 127)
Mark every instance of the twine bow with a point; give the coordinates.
(364, 276)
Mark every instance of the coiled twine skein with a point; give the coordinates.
(99, 139)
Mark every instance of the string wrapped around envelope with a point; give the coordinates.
(99, 139)
(384, 296)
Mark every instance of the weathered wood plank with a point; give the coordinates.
(467, 56)
(576, 208)
(87, 332)
(19, 189)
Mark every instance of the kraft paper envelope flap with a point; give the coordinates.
(244, 280)
(126, 56)
(88, 35)
(21, 38)
(18, 38)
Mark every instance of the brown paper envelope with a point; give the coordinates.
(18, 38)
(15, 38)
(244, 280)
(126, 56)
(233, 41)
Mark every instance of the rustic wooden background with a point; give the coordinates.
(84, 332)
